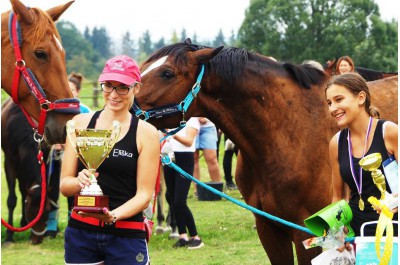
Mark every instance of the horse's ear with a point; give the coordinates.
(24, 16)
(188, 41)
(205, 55)
(57, 11)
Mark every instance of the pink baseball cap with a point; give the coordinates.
(122, 69)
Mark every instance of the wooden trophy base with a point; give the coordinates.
(90, 203)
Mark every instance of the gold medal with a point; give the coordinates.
(361, 204)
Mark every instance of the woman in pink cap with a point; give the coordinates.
(127, 176)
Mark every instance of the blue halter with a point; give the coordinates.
(168, 110)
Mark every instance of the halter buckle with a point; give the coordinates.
(193, 88)
(45, 105)
(20, 64)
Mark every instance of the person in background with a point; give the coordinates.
(207, 142)
(127, 176)
(75, 84)
(344, 65)
(364, 133)
(165, 223)
(183, 146)
(230, 149)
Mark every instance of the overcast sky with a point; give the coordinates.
(162, 17)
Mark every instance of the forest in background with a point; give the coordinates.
(292, 31)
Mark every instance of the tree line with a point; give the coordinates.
(292, 31)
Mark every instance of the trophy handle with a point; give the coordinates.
(116, 129)
(71, 133)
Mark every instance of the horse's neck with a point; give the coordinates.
(267, 120)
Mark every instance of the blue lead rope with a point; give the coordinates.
(167, 161)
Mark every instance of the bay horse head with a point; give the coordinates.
(177, 67)
(330, 67)
(42, 54)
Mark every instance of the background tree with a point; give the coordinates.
(232, 40)
(80, 55)
(101, 42)
(319, 29)
(380, 50)
(128, 45)
(159, 44)
(145, 46)
(183, 35)
(219, 39)
(174, 37)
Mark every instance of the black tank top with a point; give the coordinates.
(117, 177)
(368, 186)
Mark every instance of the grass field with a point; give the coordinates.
(225, 228)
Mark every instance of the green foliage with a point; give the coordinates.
(320, 30)
(145, 44)
(80, 55)
(287, 30)
(101, 41)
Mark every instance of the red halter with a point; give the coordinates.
(69, 105)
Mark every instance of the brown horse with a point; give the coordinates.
(41, 51)
(366, 73)
(276, 114)
(20, 163)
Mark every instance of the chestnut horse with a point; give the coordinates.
(367, 74)
(277, 115)
(41, 51)
(33, 72)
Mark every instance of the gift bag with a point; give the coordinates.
(148, 226)
(334, 257)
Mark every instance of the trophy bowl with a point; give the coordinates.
(371, 162)
(92, 147)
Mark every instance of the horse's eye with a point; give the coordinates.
(41, 55)
(167, 75)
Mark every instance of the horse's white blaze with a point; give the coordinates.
(58, 42)
(154, 65)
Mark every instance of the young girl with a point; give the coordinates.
(363, 134)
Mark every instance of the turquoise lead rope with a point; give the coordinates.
(167, 161)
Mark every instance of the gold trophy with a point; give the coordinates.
(92, 146)
(371, 163)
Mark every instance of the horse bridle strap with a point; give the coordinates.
(70, 105)
(169, 110)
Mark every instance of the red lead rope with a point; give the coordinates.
(42, 201)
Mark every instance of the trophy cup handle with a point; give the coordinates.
(70, 127)
(116, 129)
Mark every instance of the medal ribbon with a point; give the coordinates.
(359, 185)
(384, 222)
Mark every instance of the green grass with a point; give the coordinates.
(225, 228)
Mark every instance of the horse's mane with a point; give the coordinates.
(178, 50)
(230, 63)
(306, 74)
(40, 25)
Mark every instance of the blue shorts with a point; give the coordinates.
(89, 247)
(207, 138)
